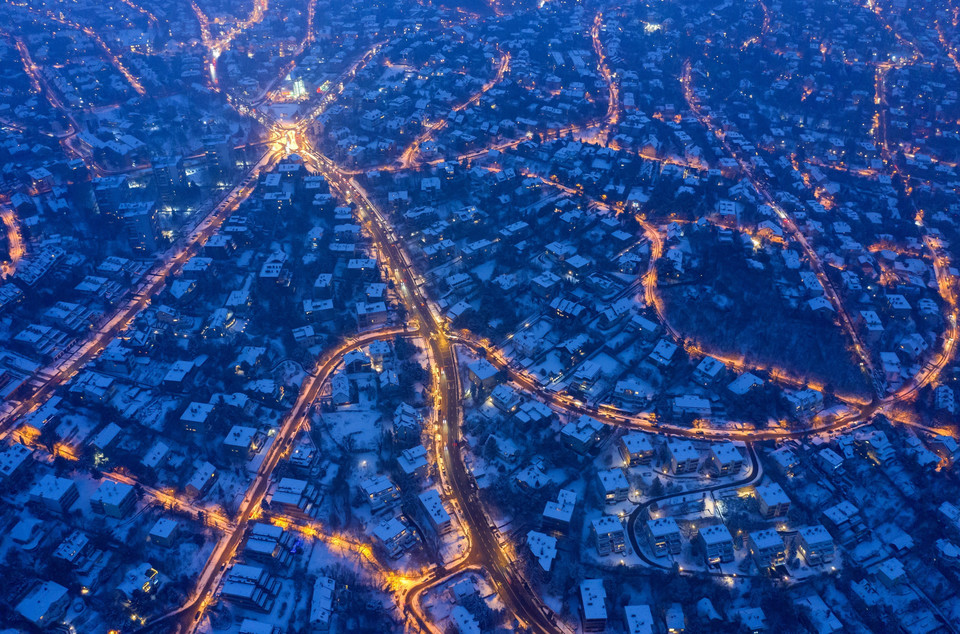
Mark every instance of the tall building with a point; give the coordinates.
(169, 176)
(109, 192)
(140, 223)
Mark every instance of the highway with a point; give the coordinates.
(186, 617)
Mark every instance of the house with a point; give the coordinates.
(557, 514)
(406, 425)
(663, 353)
(691, 406)
(635, 448)
(708, 371)
(413, 462)
(55, 494)
(803, 401)
(593, 609)
(293, 496)
(717, 544)
(663, 535)
(674, 619)
(321, 604)
(242, 442)
(340, 389)
(683, 458)
(436, 513)
(164, 532)
(139, 578)
(45, 605)
(482, 373)
(609, 535)
(201, 480)
(15, 463)
(395, 536)
(380, 492)
(772, 500)
(581, 435)
(725, 459)
(767, 548)
(638, 619)
(815, 545)
(194, 417)
(250, 587)
(613, 485)
(74, 548)
(543, 547)
(268, 544)
(113, 499)
(505, 398)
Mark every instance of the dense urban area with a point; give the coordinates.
(324, 316)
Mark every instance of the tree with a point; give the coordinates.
(490, 448)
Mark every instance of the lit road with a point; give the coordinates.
(186, 618)
(638, 514)
(786, 221)
(15, 246)
(170, 261)
(486, 550)
(408, 159)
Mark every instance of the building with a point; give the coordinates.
(638, 619)
(482, 373)
(581, 435)
(164, 532)
(380, 492)
(815, 545)
(194, 417)
(708, 371)
(413, 462)
(674, 619)
(683, 458)
(725, 459)
(767, 548)
(663, 535)
(55, 494)
(406, 425)
(268, 544)
(717, 544)
(609, 535)
(140, 224)
(293, 496)
(45, 605)
(593, 609)
(201, 480)
(543, 547)
(395, 536)
(613, 485)
(635, 448)
(15, 463)
(241, 442)
(557, 514)
(772, 500)
(113, 499)
(250, 587)
(73, 549)
(141, 577)
(436, 513)
(321, 604)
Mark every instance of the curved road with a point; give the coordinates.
(185, 618)
(755, 473)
